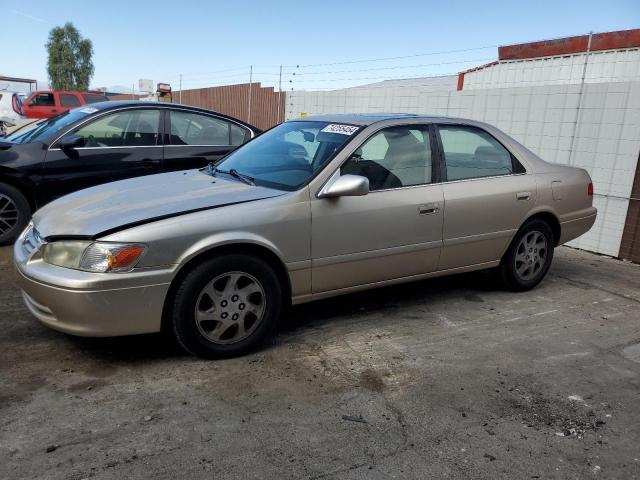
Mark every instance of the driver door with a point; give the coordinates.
(395, 231)
(118, 145)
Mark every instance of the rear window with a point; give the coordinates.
(88, 98)
(69, 100)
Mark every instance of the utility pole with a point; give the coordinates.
(180, 94)
(580, 94)
(250, 80)
(279, 90)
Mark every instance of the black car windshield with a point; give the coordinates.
(42, 130)
(288, 155)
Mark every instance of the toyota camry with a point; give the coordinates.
(312, 208)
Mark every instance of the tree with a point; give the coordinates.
(69, 65)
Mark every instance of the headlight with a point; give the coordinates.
(97, 257)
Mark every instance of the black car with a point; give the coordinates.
(103, 142)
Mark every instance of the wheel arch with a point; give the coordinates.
(243, 247)
(25, 187)
(550, 219)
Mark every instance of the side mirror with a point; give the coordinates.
(70, 142)
(345, 186)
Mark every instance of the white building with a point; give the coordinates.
(574, 101)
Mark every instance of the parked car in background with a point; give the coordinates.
(48, 103)
(310, 209)
(103, 142)
(10, 110)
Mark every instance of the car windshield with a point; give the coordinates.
(42, 130)
(289, 155)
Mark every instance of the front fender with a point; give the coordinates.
(221, 239)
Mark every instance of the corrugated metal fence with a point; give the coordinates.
(261, 111)
(252, 103)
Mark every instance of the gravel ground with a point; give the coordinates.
(442, 378)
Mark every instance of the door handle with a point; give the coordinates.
(523, 195)
(148, 163)
(428, 208)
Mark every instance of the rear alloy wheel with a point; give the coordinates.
(226, 306)
(14, 213)
(529, 256)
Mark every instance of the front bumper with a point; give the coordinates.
(92, 304)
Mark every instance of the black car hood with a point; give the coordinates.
(117, 205)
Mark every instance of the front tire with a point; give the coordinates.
(226, 306)
(15, 213)
(529, 256)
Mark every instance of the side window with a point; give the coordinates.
(131, 128)
(394, 157)
(69, 100)
(470, 152)
(195, 129)
(43, 100)
(238, 135)
(91, 98)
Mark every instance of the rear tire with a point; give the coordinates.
(529, 256)
(15, 213)
(226, 306)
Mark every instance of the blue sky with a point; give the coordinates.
(214, 43)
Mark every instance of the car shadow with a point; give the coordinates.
(128, 349)
(405, 295)
(152, 347)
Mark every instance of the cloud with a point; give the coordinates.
(30, 17)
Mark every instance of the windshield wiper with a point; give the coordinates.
(234, 173)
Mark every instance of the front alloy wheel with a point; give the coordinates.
(230, 307)
(227, 305)
(15, 213)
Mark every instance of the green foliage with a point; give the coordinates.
(69, 65)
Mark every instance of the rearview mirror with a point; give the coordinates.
(345, 186)
(70, 142)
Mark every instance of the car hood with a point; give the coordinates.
(126, 203)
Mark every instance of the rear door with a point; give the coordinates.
(195, 139)
(122, 144)
(67, 101)
(487, 196)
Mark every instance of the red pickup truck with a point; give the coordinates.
(48, 103)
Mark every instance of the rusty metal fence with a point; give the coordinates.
(260, 106)
(251, 102)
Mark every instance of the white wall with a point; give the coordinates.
(605, 66)
(543, 118)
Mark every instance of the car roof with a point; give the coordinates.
(363, 119)
(114, 104)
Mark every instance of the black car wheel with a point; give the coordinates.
(226, 306)
(529, 256)
(14, 213)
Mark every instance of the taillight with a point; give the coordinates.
(590, 189)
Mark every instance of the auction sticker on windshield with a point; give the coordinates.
(339, 128)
